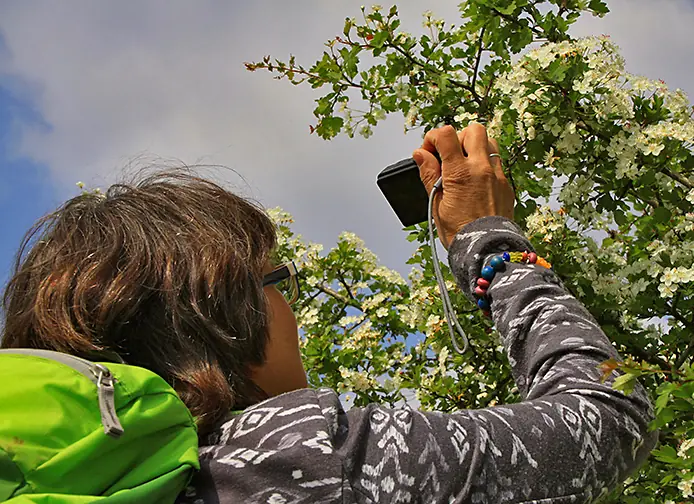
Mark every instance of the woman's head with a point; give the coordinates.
(167, 272)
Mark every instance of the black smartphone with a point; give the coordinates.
(402, 187)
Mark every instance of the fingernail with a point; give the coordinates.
(418, 158)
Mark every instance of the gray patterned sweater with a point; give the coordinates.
(571, 439)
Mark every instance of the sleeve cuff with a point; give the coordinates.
(475, 244)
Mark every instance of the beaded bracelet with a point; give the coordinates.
(498, 263)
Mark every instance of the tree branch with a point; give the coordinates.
(479, 57)
(330, 292)
(679, 178)
(418, 63)
(342, 280)
(688, 325)
(676, 314)
(685, 355)
(512, 20)
(636, 351)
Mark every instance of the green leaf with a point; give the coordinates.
(348, 27)
(379, 39)
(329, 127)
(598, 6)
(665, 416)
(350, 62)
(666, 454)
(620, 217)
(648, 177)
(507, 9)
(557, 70)
(625, 383)
(662, 215)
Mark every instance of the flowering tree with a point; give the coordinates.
(609, 152)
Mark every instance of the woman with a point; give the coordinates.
(174, 274)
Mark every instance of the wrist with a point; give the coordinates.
(478, 241)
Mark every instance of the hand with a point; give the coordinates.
(474, 185)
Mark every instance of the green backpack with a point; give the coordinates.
(75, 431)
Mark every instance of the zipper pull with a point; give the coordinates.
(107, 402)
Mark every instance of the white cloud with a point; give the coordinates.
(117, 79)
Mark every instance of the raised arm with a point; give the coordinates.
(572, 439)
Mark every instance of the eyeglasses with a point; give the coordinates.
(286, 279)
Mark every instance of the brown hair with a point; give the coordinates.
(166, 271)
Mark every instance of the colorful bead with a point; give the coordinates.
(483, 283)
(543, 263)
(497, 263)
(488, 273)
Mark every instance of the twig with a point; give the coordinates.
(432, 69)
(341, 277)
(642, 354)
(679, 178)
(685, 355)
(479, 57)
(676, 314)
(515, 21)
(338, 296)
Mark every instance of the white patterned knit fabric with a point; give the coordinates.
(571, 439)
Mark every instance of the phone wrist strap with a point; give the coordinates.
(449, 312)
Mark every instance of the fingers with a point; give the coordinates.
(472, 143)
(429, 168)
(444, 141)
(461, 140)
(495, 161)
(475, 142)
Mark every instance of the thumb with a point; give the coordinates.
(429, 168)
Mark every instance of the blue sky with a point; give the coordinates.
(86, 87)
(27, 191)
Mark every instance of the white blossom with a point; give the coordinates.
(684, 447)
(349, 320)
(374, 301)
(443, 357)
(677, 275)
(544, 221)
(667, 291)
(464, 118)
(379, 114)
(279, 216)
(363, 338)
(388, 275)
(358, 381)
(411, 117)
(409, 315)
(550, 158)
(653, 149)
(433, 324)
(308, 316)
(686, 486)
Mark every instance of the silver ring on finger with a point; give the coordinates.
(494, 154)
